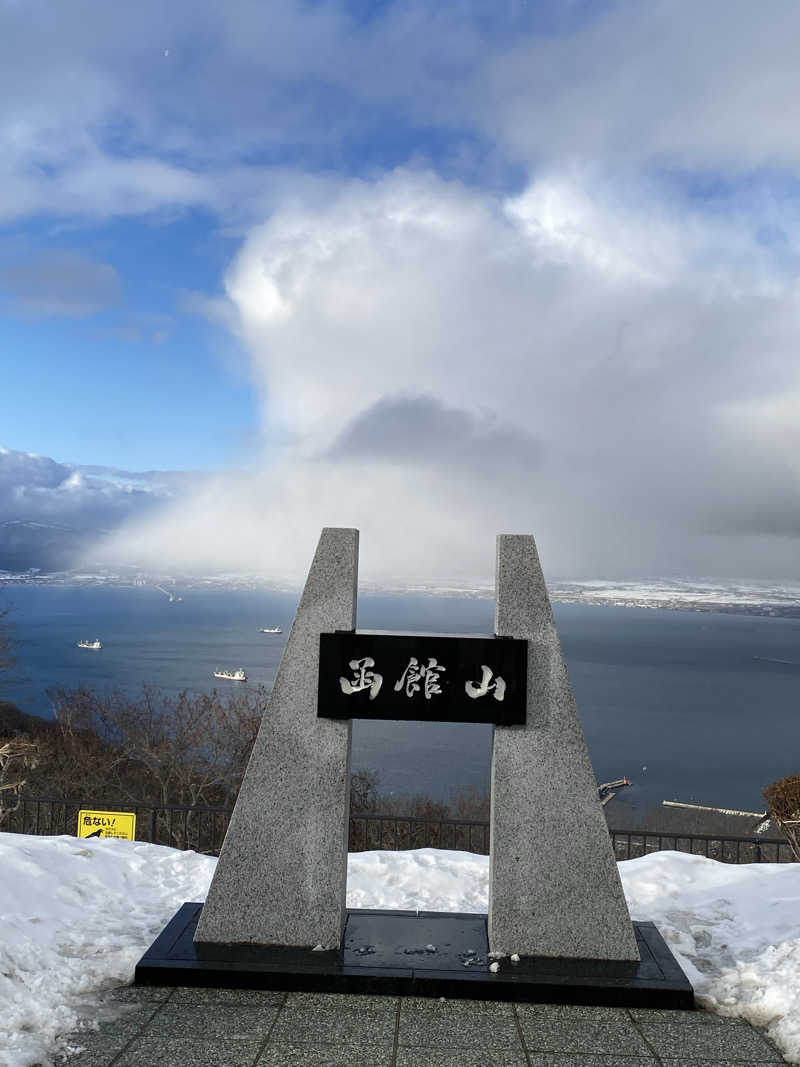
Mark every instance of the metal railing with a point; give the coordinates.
(630, 844)
(203, 830)
(393, 832)
(199, 828)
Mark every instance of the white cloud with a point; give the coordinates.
(117, 122)
(706, 88)
(595, 377)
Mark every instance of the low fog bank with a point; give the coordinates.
(415, 526)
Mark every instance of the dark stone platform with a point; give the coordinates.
(391, 952)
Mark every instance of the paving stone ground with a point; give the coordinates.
(242, 1028)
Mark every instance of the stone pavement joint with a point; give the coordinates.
(179, 1027)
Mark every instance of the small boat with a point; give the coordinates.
(89, 644)
(270, 630)
(232, 676)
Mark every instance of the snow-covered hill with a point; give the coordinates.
(50, 512)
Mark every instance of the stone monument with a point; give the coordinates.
(276, 917)
(282, 871)
(554, 886)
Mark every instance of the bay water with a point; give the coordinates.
(698, 707)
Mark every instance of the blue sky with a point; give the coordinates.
(122, 373)
(432, 270)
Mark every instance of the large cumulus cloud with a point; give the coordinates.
(438, 364)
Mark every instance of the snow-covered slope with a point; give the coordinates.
(51, 512)
(747, 598)
(75, 917)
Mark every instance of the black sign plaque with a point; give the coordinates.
(425, 677)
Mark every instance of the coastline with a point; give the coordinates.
(734, 597)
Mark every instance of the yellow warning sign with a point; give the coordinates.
(107, 824)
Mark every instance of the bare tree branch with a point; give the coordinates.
(16, 758)
(155, 749)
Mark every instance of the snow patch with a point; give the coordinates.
(76, 916)
(735, 931)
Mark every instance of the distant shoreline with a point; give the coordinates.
(783, 611)
(737, 598)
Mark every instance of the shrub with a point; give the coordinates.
(17, 757)
(783, 798)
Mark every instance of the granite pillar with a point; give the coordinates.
(554, 886)
(282, 872)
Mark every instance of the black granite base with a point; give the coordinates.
(417, 954)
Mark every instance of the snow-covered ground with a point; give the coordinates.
(75, 916)
(683, 594)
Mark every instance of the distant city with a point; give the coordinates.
(740, 598)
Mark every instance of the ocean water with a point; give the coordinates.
(697, 707)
